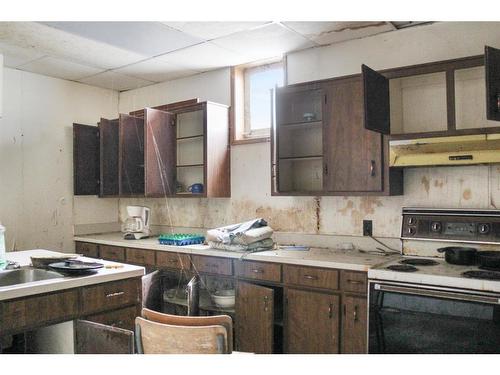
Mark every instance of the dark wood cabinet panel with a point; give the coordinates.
(85, 159)
(356, 282)
(110, 295)
(112, 253)
(254, 318)
(131, 157)
(353, 155)
(354, 325)
(215, 265)
(96, 338)
(173, 260)
(312, 322)
(121, 318)
(376, 101)
(311, 277)
(109, 154)
(140, 256)
(87, 249)
(492, 65)
(258, 270)
(160, 152)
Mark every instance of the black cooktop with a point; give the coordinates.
(402, 268)
(484, 275)
(419, 262)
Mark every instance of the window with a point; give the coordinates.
(253, 94)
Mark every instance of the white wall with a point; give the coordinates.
(36, 148)
(474, 186)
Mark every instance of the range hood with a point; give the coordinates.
(449, 150)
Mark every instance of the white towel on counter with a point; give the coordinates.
(266, 244)
(242, 233)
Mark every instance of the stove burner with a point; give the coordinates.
(402, 268)
(419, 262)
(486, 275)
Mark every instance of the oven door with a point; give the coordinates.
(407, 318)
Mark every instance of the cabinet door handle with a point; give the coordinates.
(372, 168)
(357, 282)
(310, 277)
(173, 261)
(355, 313)
(266, 303)
(115, 294)
(325, 168)
(330, 311)
(257, 270)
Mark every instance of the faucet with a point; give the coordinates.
(12, 265)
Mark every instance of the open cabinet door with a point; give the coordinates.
(492, 67)
(85, 159)
(96, 338)
(160, 152)
(376, 101)
(131, 155)
(254, 318)
(108, 130)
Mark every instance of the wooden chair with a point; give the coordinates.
(193, 321)
(159, 338)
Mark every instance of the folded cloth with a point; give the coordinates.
(246, 238)
(263, 245)
(228, 233)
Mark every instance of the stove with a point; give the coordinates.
(419, 303)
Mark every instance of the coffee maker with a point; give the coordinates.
(136, 226)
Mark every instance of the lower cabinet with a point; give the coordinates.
(311, 322)
(121, 318)
(354, 324)
(254, 318)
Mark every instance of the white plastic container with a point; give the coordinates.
(2, 245)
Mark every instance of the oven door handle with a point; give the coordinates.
(438, 294)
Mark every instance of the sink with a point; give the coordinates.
(26, 275)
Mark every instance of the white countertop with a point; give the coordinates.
(442, 274)
(46, 286)
(316, 257)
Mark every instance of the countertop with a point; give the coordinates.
(46, 286)
(318, 257)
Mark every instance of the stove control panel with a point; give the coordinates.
(480, 226)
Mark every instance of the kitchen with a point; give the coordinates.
(345, 213)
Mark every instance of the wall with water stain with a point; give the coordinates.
(470, 186)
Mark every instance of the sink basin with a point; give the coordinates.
(27, 275)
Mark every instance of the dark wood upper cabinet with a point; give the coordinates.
(492, 66)
(254, 318)
(85, 159)
(109, 154)
(159, 152)
(376, 101)
(353, 159)
(131, 155)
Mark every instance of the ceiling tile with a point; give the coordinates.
(203, 57)
(56, 43)
(212, 30)
(115, 81)
(14, 56)
(155, 70)
(264, 42)
(64, 69)
(147, 38)
(334, 32)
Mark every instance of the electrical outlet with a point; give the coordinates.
(367, 228)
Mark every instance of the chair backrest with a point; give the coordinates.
(159, 338)
(193, 321)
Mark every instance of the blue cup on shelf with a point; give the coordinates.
(196, 188)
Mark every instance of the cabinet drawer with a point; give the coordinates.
(311, 276)
(258, 270)
(110, 295)
(173, 260)
(112, 253)
(140, 256)
(87, 249)
(220, 266)
(351, 281)
(122, 318)
(38, 310)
